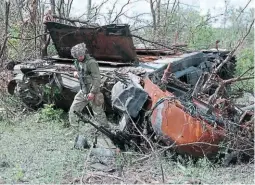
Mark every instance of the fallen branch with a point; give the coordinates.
(230, 55)
(142, 159)
(146, 139)
(216, 145)
(223, 83)
(246, 71)
(237, 79)
(107, 175)
(159, 152)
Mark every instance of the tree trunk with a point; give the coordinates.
(46, 42)
(153, 17)
(158, 12)
(88, 9)
(53, 6)
(20, 10)
(3, 48)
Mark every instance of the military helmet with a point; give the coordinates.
(79, 50)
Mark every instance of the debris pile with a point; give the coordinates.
(158, 98)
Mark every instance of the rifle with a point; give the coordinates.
(118, 138)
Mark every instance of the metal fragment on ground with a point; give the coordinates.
(128, 99)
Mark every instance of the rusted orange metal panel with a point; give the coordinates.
(191, 135)
(144, 58)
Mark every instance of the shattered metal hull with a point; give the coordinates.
(190, 135)
(113, 48)
(110, 42)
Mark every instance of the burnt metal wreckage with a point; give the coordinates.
(153, 92)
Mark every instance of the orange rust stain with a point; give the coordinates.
(180, 126)
(148, 58)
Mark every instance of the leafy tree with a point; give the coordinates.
(244, 62)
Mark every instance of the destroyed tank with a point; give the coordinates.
(50, 79)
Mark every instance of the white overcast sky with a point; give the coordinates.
(142, 6)
(79, 6)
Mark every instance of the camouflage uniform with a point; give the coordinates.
(89, 77)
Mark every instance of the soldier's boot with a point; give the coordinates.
(78, 105)
(81, 142)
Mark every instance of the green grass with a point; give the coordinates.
(206, 172)
(35, 149)
(201, 172)
(37, 152)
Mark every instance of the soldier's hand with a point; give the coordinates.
(75, 74)
(90, 96)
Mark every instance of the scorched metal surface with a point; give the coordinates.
(110, 42)
(191, 135)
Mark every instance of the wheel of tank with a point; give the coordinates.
(31, 93)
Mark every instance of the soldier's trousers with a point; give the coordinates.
(79, 104)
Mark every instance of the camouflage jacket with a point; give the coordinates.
(89, 75)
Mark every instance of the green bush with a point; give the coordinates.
(48, 113)
(245, 61)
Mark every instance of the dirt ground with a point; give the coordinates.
(34, 151)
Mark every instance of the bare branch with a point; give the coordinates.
(142, 27)
(97, 10)
(237, 79)
(208, 19)
(234, 50)
(111, 12)
(69, 7)
(70, 19)
(120, 12)
(243, 9)
(250, 68)
(134, 17)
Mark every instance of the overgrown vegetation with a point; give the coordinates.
(48, 113)
(39, 151)
(35, 148)
(245, 61)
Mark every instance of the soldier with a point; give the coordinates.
(89, 77)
